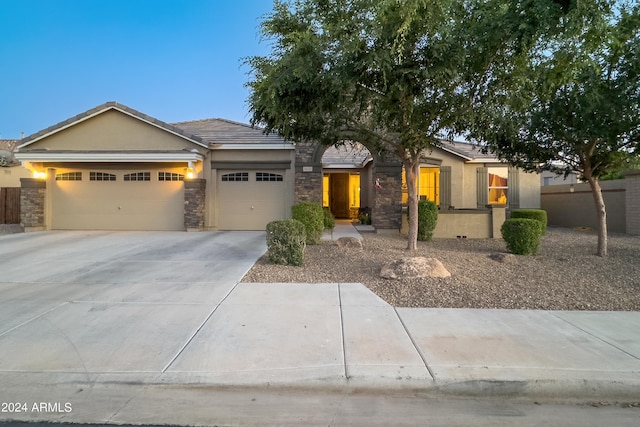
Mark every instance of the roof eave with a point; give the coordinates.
(108, 157)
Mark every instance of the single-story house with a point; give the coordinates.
(114, 168)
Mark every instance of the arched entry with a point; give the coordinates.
(383, 183)
(345, 169)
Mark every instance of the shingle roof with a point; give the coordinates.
(467, 150)
(8, 144)
(347, 154)
(222, 131)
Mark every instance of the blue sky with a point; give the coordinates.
(175, 60)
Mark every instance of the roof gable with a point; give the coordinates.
(91, 126)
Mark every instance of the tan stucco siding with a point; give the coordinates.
(529, 188)
(113, 130)
(10, 176)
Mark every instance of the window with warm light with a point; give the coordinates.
(428, 185)
(498, 185)
(325, 190)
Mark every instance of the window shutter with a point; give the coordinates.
(513, 191)
(482, 187)
(445, 187)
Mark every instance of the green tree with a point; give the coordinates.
(398, 76)
(579, 104)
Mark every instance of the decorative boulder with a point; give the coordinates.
(414, 268)
(349, 242)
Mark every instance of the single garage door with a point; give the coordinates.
(249, 200)
(85, 199)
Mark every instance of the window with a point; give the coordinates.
(236, 176)
(69, 176)
(101, 176)
(498, 185)
(427, 185)
(170, 176)
(138, 176)
(268, 177)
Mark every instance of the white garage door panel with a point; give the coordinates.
(250, 205)
(118, 205)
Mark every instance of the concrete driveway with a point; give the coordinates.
(90, 302)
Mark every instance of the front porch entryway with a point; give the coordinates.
(341, 194)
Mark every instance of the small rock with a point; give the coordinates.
(349, 242)
(503, 258)
(414, 268)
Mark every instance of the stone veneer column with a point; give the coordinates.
(308, 173)
(32, 206)
(194, 203)
(632, 201)
(387, 200)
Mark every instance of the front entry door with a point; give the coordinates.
(339, 194)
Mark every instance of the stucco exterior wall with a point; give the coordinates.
(10, 176)
(113, 130)
(529, 188)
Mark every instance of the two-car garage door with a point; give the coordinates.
(145, 199)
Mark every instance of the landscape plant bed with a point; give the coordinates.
(566, 275)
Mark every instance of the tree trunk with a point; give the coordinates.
(602, 215)
(412, 169)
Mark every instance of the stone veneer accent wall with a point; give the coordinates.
(194, 204)
(32, 206)
(632, 202)
(386, 209)
(308, 173)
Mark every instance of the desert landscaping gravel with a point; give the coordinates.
(565, 275)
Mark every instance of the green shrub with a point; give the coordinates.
(329, 219)
(427, 219)
(286, 242)
(312, 216)
(537, 214)
(522, 235)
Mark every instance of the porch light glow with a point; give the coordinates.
(39, 175)
(190, 170)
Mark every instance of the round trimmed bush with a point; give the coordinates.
(537, 214)
(286, 242)
(427, 219)
(312, 216)
(522, 235)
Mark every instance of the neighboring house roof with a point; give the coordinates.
(222, 133)
(102, 109)
(469, 152)
(7, 146)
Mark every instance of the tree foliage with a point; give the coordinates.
(397, 76)
(578, 106)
